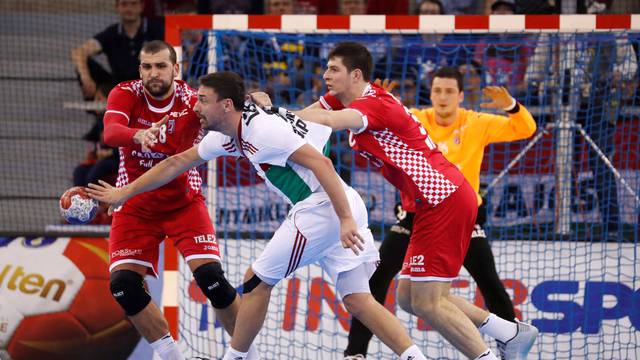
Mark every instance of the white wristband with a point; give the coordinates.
(512, 106)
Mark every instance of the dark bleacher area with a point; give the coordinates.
(40, 142)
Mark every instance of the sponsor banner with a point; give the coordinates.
(515, 200)
(55, 301)
(528, 199)
(584, 298)
(256, 208)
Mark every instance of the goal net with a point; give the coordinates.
(562, 206)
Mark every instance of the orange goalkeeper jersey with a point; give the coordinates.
(463, 142)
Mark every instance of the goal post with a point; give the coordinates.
(550, 199)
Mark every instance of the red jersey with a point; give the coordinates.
(395, 140)
(130, 109)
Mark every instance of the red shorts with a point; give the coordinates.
(136, 239)
(440, 237)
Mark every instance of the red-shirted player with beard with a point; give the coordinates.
(386, 132)
(149, 120)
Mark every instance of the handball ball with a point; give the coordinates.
(77, 207)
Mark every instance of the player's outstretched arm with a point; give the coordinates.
(520, 124)
(263, 100)
(324, 171)
(164, 172)
(337, 120)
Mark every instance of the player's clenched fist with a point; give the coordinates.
(147, 138)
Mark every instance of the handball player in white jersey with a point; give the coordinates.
(327, 223)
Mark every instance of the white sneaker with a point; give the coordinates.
(518, 346)
(354, 357)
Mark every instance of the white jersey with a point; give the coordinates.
(267, 140)
(311, 231)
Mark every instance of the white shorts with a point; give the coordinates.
(311, 233)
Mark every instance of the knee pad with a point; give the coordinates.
(127, 287)
(210, 278)
(251, 284)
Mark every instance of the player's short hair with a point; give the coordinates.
(447, 72)
(156, 46)
(228, 85)
(354, 56)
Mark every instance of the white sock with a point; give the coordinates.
(412, 353)
(487, 355)
(233, 354)
(253, 353)
(167, 348)
(498, 328)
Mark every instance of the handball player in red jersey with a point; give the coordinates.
(149, 120)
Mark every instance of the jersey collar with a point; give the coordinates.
(366, 89)
(165, 108)
(239, 139)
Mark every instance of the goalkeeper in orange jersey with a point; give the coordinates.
(461, 135)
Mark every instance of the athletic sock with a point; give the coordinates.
(487, 355)
(167, 348)
(233, 354)
(412, 353)
(498, 328)
(253, 353)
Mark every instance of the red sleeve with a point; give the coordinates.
(371, 110)
(408, 202)
(330, 102)
(116, 119)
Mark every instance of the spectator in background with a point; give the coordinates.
(230, 7)
(540, 7)
(386, 7)
(320, 7)
(503, 7)
(352, 7)
(625, 7)
(156, 9)
(504, 56)
(280, 7)
(289, 7)
(472, 74)
(101, 162)
(461, 7)
(430, 7)
(121, 43)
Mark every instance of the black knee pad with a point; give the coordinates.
(210, 278)
(127, 287)
(251, 284)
